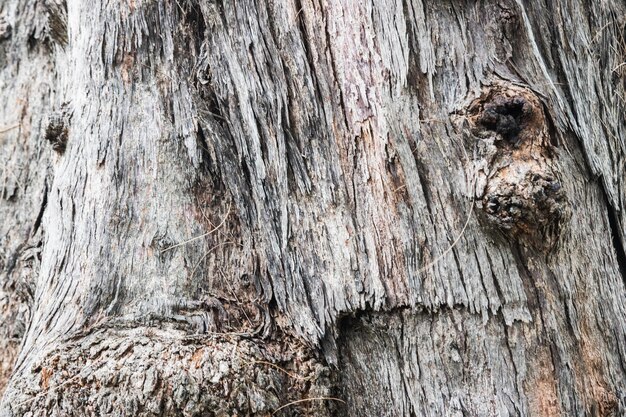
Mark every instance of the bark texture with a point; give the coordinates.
(390, 208)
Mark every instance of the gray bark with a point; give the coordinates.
(390, 208)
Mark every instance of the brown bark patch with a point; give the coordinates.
(197, 357)
(602, 401)
(126, 68)
(6, 365)
(46, 373)
(541, 385)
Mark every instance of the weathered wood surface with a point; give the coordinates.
(217, 208)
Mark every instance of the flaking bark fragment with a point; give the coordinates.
(5, 28)
(57, 21)
(57, 130)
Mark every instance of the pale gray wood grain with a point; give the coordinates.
(217, 208)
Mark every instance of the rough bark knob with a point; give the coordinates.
(520, 191)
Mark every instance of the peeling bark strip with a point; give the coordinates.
(416, 207)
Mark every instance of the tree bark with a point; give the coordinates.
(390, 208)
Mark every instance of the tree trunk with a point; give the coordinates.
(391, 208)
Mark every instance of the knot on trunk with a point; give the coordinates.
(517, 178)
